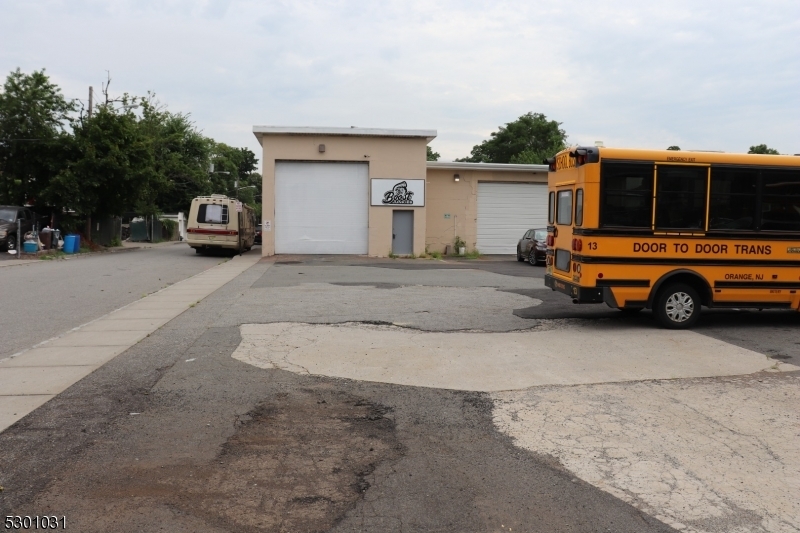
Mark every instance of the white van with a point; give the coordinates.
(219, 222)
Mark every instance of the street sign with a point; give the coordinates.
(238, 207)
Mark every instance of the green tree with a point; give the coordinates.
(111, 169)
(181, 156)
(763, 149)
(673, 147)
(235, 173)
(529, 139)
(34, 117)
(432, 156)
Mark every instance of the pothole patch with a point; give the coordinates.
(482, 361)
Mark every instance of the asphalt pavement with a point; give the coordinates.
(44, 299)
(179, 434)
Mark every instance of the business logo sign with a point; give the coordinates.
(398, 193)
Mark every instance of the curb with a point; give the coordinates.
(119, 250)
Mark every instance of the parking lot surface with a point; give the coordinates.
(351, 394)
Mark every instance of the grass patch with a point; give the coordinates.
(435, 255)
(472, 254)
(58, 254)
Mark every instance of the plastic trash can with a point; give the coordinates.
(30, 247)
(69, 244)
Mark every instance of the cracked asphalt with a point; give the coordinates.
(177, 435)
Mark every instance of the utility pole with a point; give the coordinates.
(89, 215)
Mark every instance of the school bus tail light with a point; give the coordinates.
(577, 245)
(551, 241)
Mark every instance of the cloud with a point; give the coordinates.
(717, 75)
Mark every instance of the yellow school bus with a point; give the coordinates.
(673, 231)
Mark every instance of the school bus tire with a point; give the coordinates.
(677, 306)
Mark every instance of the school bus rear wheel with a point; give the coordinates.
(677, 306)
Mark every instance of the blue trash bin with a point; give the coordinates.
(69, 244)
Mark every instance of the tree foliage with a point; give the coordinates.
(763, 149)
(34, 118)
(675, 148)
(111, 169)
(530, 139)
(432, 156)
(131, 154)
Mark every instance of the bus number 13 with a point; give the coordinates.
(592, 245)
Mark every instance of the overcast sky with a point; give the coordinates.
(716, 75)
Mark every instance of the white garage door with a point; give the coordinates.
(506, 211)
(321, 208)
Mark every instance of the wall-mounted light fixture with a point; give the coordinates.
(456, 177)
(322, 148)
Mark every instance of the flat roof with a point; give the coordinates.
(502, 167)
(351, 131)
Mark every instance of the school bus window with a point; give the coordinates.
(681, 197)
(564, 211)
(780, 200)
(627, 195)
(733, 198)
(551, 208)
(579, 207)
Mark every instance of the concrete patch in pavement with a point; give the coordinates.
(710, 455)
(490, 361)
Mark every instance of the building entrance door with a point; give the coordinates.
(402, 232)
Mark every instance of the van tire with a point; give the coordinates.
(677, 306)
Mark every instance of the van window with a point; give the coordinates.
(212, 214)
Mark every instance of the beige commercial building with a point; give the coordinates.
(368, 191)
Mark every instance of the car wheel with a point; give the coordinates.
(519, 256)
(12, 242)
(677, 306)
(532, 258)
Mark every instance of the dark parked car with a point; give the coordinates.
(8, 224)
(532, 247)
(258, 234)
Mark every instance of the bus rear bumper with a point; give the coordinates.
(581, 295)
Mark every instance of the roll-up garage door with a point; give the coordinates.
(321, 208)
(506, 211)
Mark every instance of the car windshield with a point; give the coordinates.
(8, 214)
(540, 235)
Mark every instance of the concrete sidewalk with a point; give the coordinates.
(30, 378)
